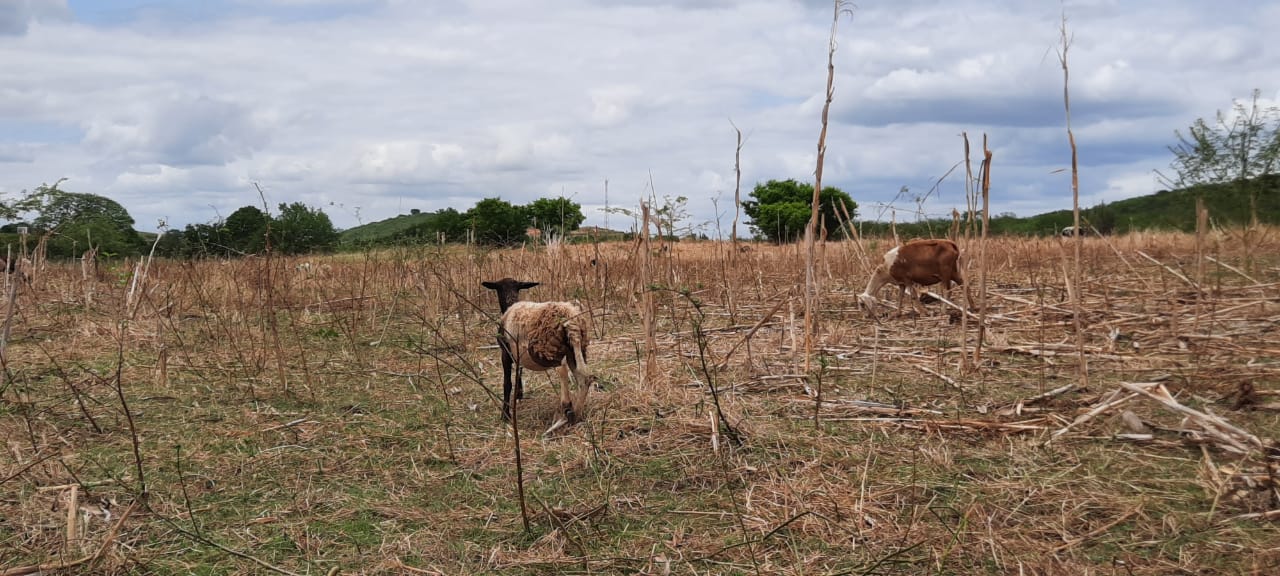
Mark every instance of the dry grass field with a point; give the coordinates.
(340, 415)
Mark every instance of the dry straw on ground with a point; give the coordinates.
(382, 450)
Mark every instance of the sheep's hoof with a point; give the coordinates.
(569, 414)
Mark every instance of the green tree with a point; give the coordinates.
(173, 244)
(300, 229)
(560, 215)
(450, 222)
(244, 230)
(672, 212)
(203, 241)
(779, 209)
(77, 220)
(1241, 148)
(1101, 217)
(498, 222)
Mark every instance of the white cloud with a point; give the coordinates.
(17, 15)
(387, 105)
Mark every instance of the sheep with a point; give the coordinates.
(917, 263)
(540, 336)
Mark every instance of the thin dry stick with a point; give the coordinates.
(60, 565)
(847, 223)
(1241, 438)
(515, 433)
(646, 301)
(984, 170)
(737, 190)
(10, 305)
(1098, 531)
(1202, 224)
(1176, 274)
(139, 281)
(941, 376)
(1233, 269)
(118, 384)
(811, 293)
(763, 320)
(964, 318)
(73, 506)
(448, 412)
(1112, 401)
(281, 373)
(1075, 207)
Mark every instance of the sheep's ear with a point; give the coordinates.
(526, 285)
(490, 285)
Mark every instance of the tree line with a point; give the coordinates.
(491, 221)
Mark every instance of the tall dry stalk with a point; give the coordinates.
(1202, 226)
(1075, 208)
(737, 190)
(268, 265)
(970, 201)
(985, 175)
(515, 437)
(811, 291)
(646, 299)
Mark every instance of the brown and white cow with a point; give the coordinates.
(917, 263)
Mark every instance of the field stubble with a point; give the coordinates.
(305, 415)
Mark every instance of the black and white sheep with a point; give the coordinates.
(540, 336)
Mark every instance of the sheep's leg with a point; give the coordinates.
(567, 404)
(568, 416)
(506, 381)
(584, 382)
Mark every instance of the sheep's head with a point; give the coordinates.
(508, 290)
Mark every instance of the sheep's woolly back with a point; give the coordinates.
(546, 332)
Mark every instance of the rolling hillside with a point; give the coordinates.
(1228, 204)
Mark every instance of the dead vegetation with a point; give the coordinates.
(260, 416)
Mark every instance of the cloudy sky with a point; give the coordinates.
(369, 108)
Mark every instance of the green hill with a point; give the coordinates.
(404, 228)
(1228, 204)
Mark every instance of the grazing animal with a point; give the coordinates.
(541, 336)
(917, 263)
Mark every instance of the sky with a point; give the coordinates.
(367, 109)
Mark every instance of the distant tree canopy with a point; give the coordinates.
(74, 221)
(1236, 147)
(780, 209)
(300, 229)
(498, 222)
(559, 215)
(246, 230)
(491, 221)
(297, 229)
(1241, 149)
